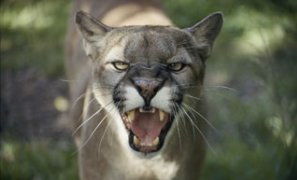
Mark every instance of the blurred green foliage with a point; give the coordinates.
(255, 57)
(37, 160)
(32, 34)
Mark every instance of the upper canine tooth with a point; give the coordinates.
(156, 141)
(131, 115)
(162, 115)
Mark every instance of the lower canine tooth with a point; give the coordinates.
(156, 141)
(136, 141)
(162, 115)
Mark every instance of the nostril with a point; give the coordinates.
(147, 88)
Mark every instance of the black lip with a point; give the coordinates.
(162, 136)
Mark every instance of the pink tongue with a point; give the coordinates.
(147, 126)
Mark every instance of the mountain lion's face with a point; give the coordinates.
(141, 74)
(145, 72)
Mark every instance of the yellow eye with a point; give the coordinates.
(178, 66)
(119, 65)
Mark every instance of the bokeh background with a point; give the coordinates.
(251, 85)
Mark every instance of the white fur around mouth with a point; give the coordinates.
(147, 128)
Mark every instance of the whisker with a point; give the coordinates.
(199, 130)
(178, 130)
(193, 97)
(193, 130)
(183, 118)
(66, 80)
(77, 99)
(105, 130)
(93, 132)
(104, 94)
(206, 87)
(85, 121)
(201, 116)
(81, 116)
(187, 85)
(223, 87)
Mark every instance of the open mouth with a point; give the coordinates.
(147, 128)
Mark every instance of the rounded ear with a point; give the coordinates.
(206, 31)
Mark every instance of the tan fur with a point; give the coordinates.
(102, 152)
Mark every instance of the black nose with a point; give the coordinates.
(147, 87)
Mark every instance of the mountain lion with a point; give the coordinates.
(137, 103)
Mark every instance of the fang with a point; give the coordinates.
(136, 141)
(131, 115)
(156, 141)
(162, 116)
